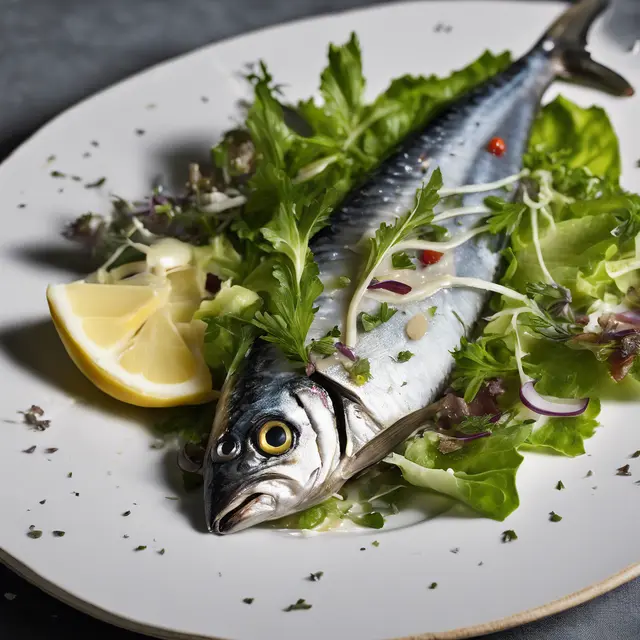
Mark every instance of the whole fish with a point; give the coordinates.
(282, 441)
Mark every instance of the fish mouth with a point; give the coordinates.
(243, 513)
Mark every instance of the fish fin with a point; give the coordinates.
(566, 40)
(386, 441)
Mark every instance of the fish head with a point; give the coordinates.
(273, 445)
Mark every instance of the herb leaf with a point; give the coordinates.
(401, 260)
(404, 356)
(360, 371)
(371, 321)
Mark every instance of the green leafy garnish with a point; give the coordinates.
(476, 362)
(372, 520)
(343, 282)
(360, 371)
(554, 517)
(401, 260)
(567, 435)
(505, 216)
(371, 321)
(560, 485)
(404, 356)
(484, 470)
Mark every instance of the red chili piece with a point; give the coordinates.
(430, 257)
(497, 146)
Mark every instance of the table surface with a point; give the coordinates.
(53, 54)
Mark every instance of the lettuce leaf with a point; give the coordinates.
(584, 137)
(566, 435)
(228, 334)
(483, 472)
(576, 247)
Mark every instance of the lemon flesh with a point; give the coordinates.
(136, 339)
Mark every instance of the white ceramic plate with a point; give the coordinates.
(197, 587)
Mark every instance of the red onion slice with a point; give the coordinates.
(391, 285)
(630, 317)
(345, 351)
(548, 406)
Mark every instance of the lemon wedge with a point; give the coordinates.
(135, 338)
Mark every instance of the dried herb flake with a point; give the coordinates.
(248, 600)
(623, 471)
(58, 534)
(35, 534)
(300, 605)
(314, 577)
(509, 535)
(433, 585)
(554, 517)
(141, 547)
(97, 183)
(30, 449)
(560, 486)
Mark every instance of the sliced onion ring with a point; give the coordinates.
(548, 406)
(391, 285)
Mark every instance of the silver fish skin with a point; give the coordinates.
(337, 428)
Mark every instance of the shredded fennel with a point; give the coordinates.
(487, 186)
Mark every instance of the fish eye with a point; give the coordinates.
(274, 438)
(227, 448)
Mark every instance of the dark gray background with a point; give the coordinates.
(55, 52)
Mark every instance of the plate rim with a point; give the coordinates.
(25, 572)
(501, 624)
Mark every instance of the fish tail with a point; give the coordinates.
(565, 42)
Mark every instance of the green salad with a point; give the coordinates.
(564, 317)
